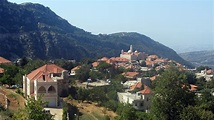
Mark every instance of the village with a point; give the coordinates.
(128, 78)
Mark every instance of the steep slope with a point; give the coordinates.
(200, 58)
(35, 31)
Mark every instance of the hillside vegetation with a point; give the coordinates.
(34, 31)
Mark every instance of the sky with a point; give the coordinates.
(183, 25)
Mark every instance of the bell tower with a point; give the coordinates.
(131, 49)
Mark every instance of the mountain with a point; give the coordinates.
(200, 58)
(34, 31)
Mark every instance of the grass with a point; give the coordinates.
(100, 117)
(93, 116)
(12, 95)
(86, 116)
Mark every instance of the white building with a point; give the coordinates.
(50, 80)
(204, 74)
(140, 100)
(133, 56)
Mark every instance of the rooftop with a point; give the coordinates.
(44, 72)
(3, 60)
(130, 74)
(146, 91)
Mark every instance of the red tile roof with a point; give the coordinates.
(3, 60)
(193, 87)
(210, 71)
(110, 61)
(153, 56)
(130, 74)
(119, 59)
(146, 90)
(45, 71)
(103, 59)
(148, 62)
(95, 64)
(75, 68)
(160, 60)
(137, 85)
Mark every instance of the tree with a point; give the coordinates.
(66, 64)
(103, 66)
(22, 62)
(143, 64)
(83, 73)
(206, 100)
(96, 74)
(65, 111)
(196, 113)
(171, 95)
(201, 83)
(143, 116)
(9, 74)
(126, 112)
(33, 110)
(191, 78)
(111, 104)
(82, 94)
(120, 78)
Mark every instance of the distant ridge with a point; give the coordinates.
(200, 58)
(34, 31)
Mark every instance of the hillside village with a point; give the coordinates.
(129, 79)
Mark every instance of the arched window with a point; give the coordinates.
(42, 89)
(51, 89)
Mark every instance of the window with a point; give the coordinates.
(51, 89)
(42, 89)
(141, 104)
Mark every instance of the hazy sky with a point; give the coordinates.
(183, 25)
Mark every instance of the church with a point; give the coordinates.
(133, 56)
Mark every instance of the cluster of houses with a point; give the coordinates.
(137, 88)
(52, 81)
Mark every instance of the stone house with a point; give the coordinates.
(50, 81)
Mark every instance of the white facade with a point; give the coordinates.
(49, 92)
(73, 72)
(138, 100)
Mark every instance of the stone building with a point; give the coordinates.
(50, 81)
(133, 56)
